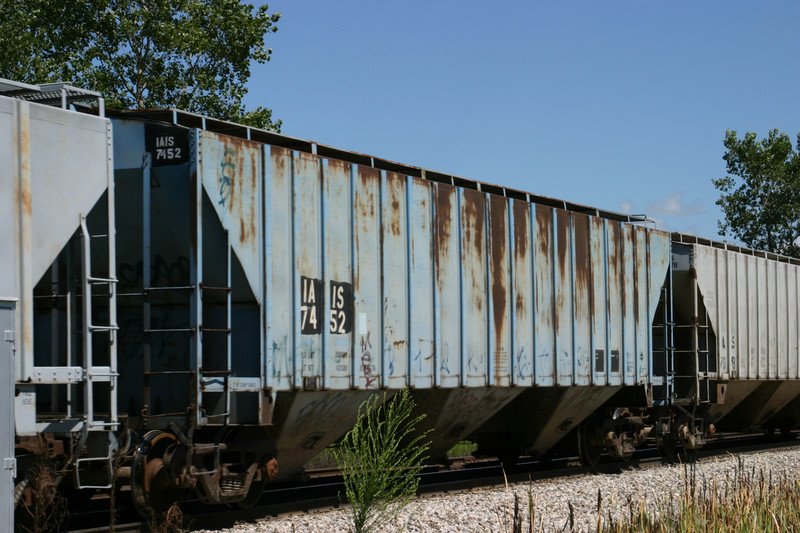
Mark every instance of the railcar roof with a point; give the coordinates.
(685, 238)
(192, 120)
(60, 94)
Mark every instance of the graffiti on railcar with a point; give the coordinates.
(227, 169)
(163, 272)
(367, 366)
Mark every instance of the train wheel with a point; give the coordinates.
(589, 449)
(151, 487)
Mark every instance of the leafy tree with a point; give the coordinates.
(760, 196)
(190, 54)
(380, 459)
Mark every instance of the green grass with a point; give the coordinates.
(462, 449)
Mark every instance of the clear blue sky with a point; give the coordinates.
(618, 104)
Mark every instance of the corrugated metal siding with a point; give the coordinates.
(753, 307)
(377, 279)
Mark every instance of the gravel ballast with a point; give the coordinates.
(491, 509)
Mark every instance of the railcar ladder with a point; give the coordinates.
(216, 380)
(95, 433)
(150, 332)
(664, 353)
(697, 369)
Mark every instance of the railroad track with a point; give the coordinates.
(324, 486)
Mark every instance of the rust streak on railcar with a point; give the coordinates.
(614, 274)
(395, 184)
(582, 265)
(473, 223)
(364, 207)
(239, 156)
(544, 221)
(366, 176)
(564, 268)
(278, 159)
(520, 212)
(498, 266)
(444, 229)
(25, 167)
(544, 273)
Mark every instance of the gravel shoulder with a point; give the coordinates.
(492, 509)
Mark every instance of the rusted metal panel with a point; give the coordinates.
(500, 297)
(544, 272)
(366, 280)
(564, 298)
(395, 268)
(614, 302)
(474, 284)
(582, 299)
(231, 173)
(337, 274)
(522, 326)
(420, 281)
(447, 286)
(280, 300)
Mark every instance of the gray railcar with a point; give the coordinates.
(738, 315)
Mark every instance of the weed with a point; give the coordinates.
(380, 459)
(44, 509)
